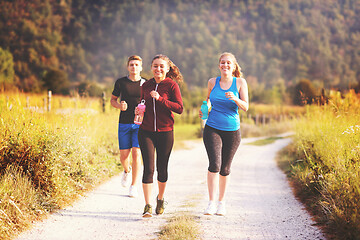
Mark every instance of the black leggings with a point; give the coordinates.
(221, 147)
(162, 142)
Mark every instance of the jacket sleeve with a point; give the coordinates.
(175, 104)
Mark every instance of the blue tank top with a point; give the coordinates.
(224, 114)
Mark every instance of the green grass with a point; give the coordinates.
(186, 131)
(249, 129)
(266, 141)
(183, 225)
(180, 227)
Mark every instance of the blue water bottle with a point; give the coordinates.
(204, 110)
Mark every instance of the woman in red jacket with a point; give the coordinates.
(162, 97)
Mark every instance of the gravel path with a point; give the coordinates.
(260, 203)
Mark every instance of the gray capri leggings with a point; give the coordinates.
(221, 147)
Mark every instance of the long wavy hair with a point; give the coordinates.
(174, 72)
(237, 71)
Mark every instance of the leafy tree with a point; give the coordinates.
(6, 68)
(304, 92)
(89, 40)
(56, 81)
(90, 89)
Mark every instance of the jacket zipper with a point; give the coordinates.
(156, 87)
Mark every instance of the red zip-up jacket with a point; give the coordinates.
(158, 115)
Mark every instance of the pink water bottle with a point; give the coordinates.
(140, 116)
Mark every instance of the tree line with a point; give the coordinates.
(84, 45)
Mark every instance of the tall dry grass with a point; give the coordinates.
(325, 160)
(48, 159)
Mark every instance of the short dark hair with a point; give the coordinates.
(134, 57)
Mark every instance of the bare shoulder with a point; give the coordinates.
(241, 82)
(212, 82)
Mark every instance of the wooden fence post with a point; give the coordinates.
(27, 102)
(103, 101)
(7, 101)
(263, 119)
(49, 101)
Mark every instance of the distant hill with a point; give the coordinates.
(277, 42)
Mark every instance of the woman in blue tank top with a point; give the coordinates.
(227, 94)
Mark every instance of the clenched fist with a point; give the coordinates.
(123, 106)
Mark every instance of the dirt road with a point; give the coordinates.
(260, 203)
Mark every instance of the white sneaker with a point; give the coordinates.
(133, 191)
(211, 208)
(125, 178)
(221, 210)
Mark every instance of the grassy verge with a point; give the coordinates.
(265, 141)
(48, 160)
(183, 225)
(323, 164)
(248, 129)
(183, 132)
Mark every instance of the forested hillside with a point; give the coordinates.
(277, 42)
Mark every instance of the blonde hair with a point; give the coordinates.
(134, 57)
(237, 71)
(174, 72)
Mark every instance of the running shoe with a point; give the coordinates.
(160, 206)
(221, 210)
(133, 191)
(211, 208)
(147, 211)
(125, 178)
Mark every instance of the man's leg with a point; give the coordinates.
(124, 159)
(136, 165)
